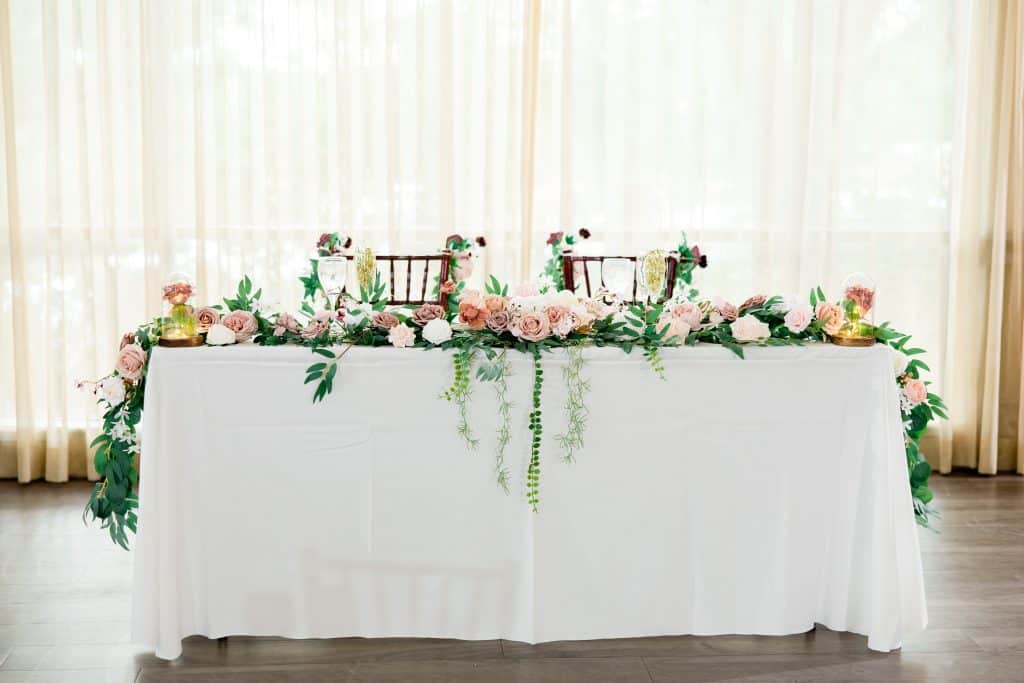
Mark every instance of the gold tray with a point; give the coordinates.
(853, 341)
(181, 342)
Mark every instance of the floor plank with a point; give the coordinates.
(65, 609)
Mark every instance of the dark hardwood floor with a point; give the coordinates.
(65, 605)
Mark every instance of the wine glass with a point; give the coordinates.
(653, 269)
(332, 272)
(617, 274)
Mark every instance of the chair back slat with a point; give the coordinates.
(424, 295)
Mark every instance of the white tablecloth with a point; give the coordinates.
(739, 496)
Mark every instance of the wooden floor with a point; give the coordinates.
(65, 605)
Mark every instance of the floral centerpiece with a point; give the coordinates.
(484, 327)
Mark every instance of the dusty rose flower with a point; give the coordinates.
(727, 310)
(531, 326)
(798, 318)
(915, 391)
(676, 329)
(747, 328)
(473, 315)
(863, 296)
(755, 300)
(831, 317)
(497, 322)
(689, 312)
(178, 292)
(383, 320)
(427, 312)
(401, 336)
(285, 322)
(447, 287)
(242, 323)
(206, 317)
(554, 237)
(130, 361)
(560, 320)
(318, 325)
(128, 338)
(339, 315)
(495, 303)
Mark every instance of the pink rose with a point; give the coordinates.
(384, 320)
(798, 318)
(689, 313)
(560, 320)
(242, 323)
(727, 310)
(915, 391)
(318, 325)
(128, 338)
(401, 336)
(427, 312)
(286, 322)
(497, 322)
(676, 329)
(863, 297)
(747, 328)
(130, 361)
(206, 318)
(531, 326)
(472, 314)
(831, 317)
(495, 303)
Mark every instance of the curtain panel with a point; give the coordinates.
(795, 141)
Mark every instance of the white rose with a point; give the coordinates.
(111, 390)
(219, 335)
(437, 331)
(562, 298)
(747, 328)
(899, 361)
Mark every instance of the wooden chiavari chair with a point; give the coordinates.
(576, 267)
(425, 293)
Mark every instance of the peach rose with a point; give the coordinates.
(427, 312)
(472, 296)
(206, 317)
(560, 320)
(447, 287)
(495, 303)
(531, 326)
(915, 391)
(401, 336)
(798, 318)
(473, 315)
(242, 323)
(831, 317)
(676, 329)
(383, 320)
(689, 313)
(130, 361)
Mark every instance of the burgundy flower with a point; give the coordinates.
(452, 240)
(584, 233)
(698, 258)
(481, 242)
(347, 244)
(555, 237)
(324, 239)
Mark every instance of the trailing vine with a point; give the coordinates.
(501, 471)
(537, 429)
(576, 387)
(460, 391)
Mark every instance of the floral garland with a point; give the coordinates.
(481, 331)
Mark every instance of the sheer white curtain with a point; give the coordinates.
(795, 141)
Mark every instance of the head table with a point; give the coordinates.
(756, 496)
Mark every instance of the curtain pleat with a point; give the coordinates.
(795, 142)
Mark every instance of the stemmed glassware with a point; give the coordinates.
(618, 275)
(653, 270)
(332, 272)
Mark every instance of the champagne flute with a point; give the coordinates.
(617, 274)
(332, 272)
(653, 269)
